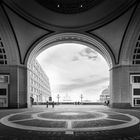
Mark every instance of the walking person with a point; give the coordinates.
(32, 100)
(53, 104)
(47, 104)
(107, 103)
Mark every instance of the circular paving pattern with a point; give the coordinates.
(70, 115)
(69, 121)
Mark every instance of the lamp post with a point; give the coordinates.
(81, 97)
(58, 97)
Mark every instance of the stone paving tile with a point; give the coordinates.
(19, 117)
(53, 136)
(116, 116)
(132, 133)
(41, 123)
(98, 123)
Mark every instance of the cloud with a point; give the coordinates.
(81, 84)
(78, 80)
(74, 68)
(75, 58)
(89, 53)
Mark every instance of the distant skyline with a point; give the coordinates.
(75, 69)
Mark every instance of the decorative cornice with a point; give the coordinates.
(88, 26)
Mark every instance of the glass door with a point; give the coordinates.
(4, 82)
(135, 81)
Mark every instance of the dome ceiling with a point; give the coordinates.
(69, 14)
(69, 6)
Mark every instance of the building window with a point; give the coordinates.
(3, 58)
(136, 55)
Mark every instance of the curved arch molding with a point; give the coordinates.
(131, 40)
(91, 42)
(100, 14)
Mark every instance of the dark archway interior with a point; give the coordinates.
(69, 6)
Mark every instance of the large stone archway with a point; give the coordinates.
(120, 88)
(92, 42)
(111, 28)
(128, 66)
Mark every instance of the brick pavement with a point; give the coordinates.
(131, 133)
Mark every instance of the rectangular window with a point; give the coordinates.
(137, 44)
(1, 62)
(4, 56)
(136, 101)
(138, 50)
(2, 92)
(3, 50)
(137, 56)
(4, 79)
(136, 79)
(137, 62)
(5, 62)
(136, 91)
(134, 56)
(1, 56)
(1, 44)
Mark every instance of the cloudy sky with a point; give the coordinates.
(75, 69)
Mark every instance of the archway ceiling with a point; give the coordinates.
(69, 6)
(69, 14)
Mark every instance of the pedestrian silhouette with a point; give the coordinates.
(47, 104)
(53, 104)
(32, 100)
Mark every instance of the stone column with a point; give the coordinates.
(17, 87)
(22, 86)
(120, 88)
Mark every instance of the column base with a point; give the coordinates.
(121, 105)
(17, 106)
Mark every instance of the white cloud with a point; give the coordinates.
(73, 67)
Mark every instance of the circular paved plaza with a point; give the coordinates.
(72, 121)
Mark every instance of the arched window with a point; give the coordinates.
(136, 55)
(3, 58)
